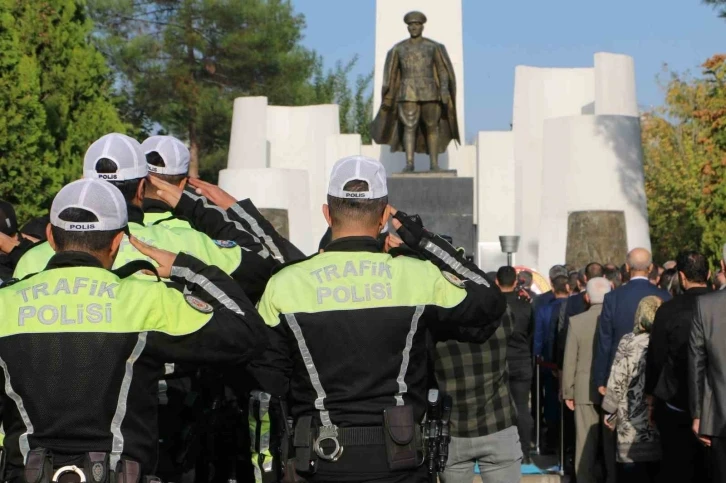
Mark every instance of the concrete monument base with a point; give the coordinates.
(444, 203)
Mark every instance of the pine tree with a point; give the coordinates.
(54, 96)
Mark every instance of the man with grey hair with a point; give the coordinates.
(619, 311)
(578, 388)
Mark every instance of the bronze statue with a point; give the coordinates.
(418, 111)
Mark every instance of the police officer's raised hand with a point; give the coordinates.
(409, 228)
(7, 243)
(164, 259)
(392, 241)
(213, 193)
(169, 193)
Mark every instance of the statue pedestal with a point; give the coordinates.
(443, 173)
(444, 202)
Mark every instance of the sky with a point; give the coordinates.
(498, 36)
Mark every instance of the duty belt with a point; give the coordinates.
(362, 436)
(40, 468)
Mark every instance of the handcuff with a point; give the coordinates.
(328, 433)
(69, 469)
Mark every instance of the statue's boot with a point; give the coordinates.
(409, 139)
(433, 142)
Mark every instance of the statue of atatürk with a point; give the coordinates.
(418, 112)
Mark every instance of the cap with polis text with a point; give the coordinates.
(122, 150)
(102, 199)
(172, 151)
(8, 220)
(358, 168)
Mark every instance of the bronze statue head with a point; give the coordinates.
(415, 21)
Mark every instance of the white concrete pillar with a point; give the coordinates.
(496, 193)
(540, 94)
(248, 147)
(277, 188)
(593, 163)
(615, 85)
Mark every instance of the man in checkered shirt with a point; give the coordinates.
(483, 417)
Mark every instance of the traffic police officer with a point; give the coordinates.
(82, 348)
(119, 159)
(348, 331)
(168, 160)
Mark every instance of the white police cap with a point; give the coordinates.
(102, 199)
(174, 153)
(123, 150)
(358, 168)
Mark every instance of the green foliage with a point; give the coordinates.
(719, 5)
(685, 164)
(355, 102)
(180, 64)
(54, 97)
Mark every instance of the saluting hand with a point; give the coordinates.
(169, 193)
(392, 241)
(7, 243)
(164, 259)
(213, 193)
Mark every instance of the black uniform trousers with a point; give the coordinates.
(520, 382)
(684, 457)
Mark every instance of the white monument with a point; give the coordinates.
(574, 146)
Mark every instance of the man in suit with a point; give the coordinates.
(618, 313)
(666, 374)
(707, 377)
(578, 388)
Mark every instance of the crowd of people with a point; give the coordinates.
(335, 360)
(630, 365)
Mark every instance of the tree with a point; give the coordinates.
(720, 5)
(54, 96)
(685, 163)
(182, 62)
(355, 103)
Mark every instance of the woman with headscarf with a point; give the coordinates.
(625, 406)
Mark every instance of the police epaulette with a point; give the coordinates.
(287, 264)
(135, 266)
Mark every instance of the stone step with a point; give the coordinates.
(543, 479)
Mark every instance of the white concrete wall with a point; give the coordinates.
(495, 194)
(539, 94)
(615, 85)
(444, 25)
(277, 188)
(298, 139)
(248, 146)
(593, 163)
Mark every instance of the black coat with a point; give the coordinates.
(666, 371)
(519, 344)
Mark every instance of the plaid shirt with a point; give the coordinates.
(477, 378)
